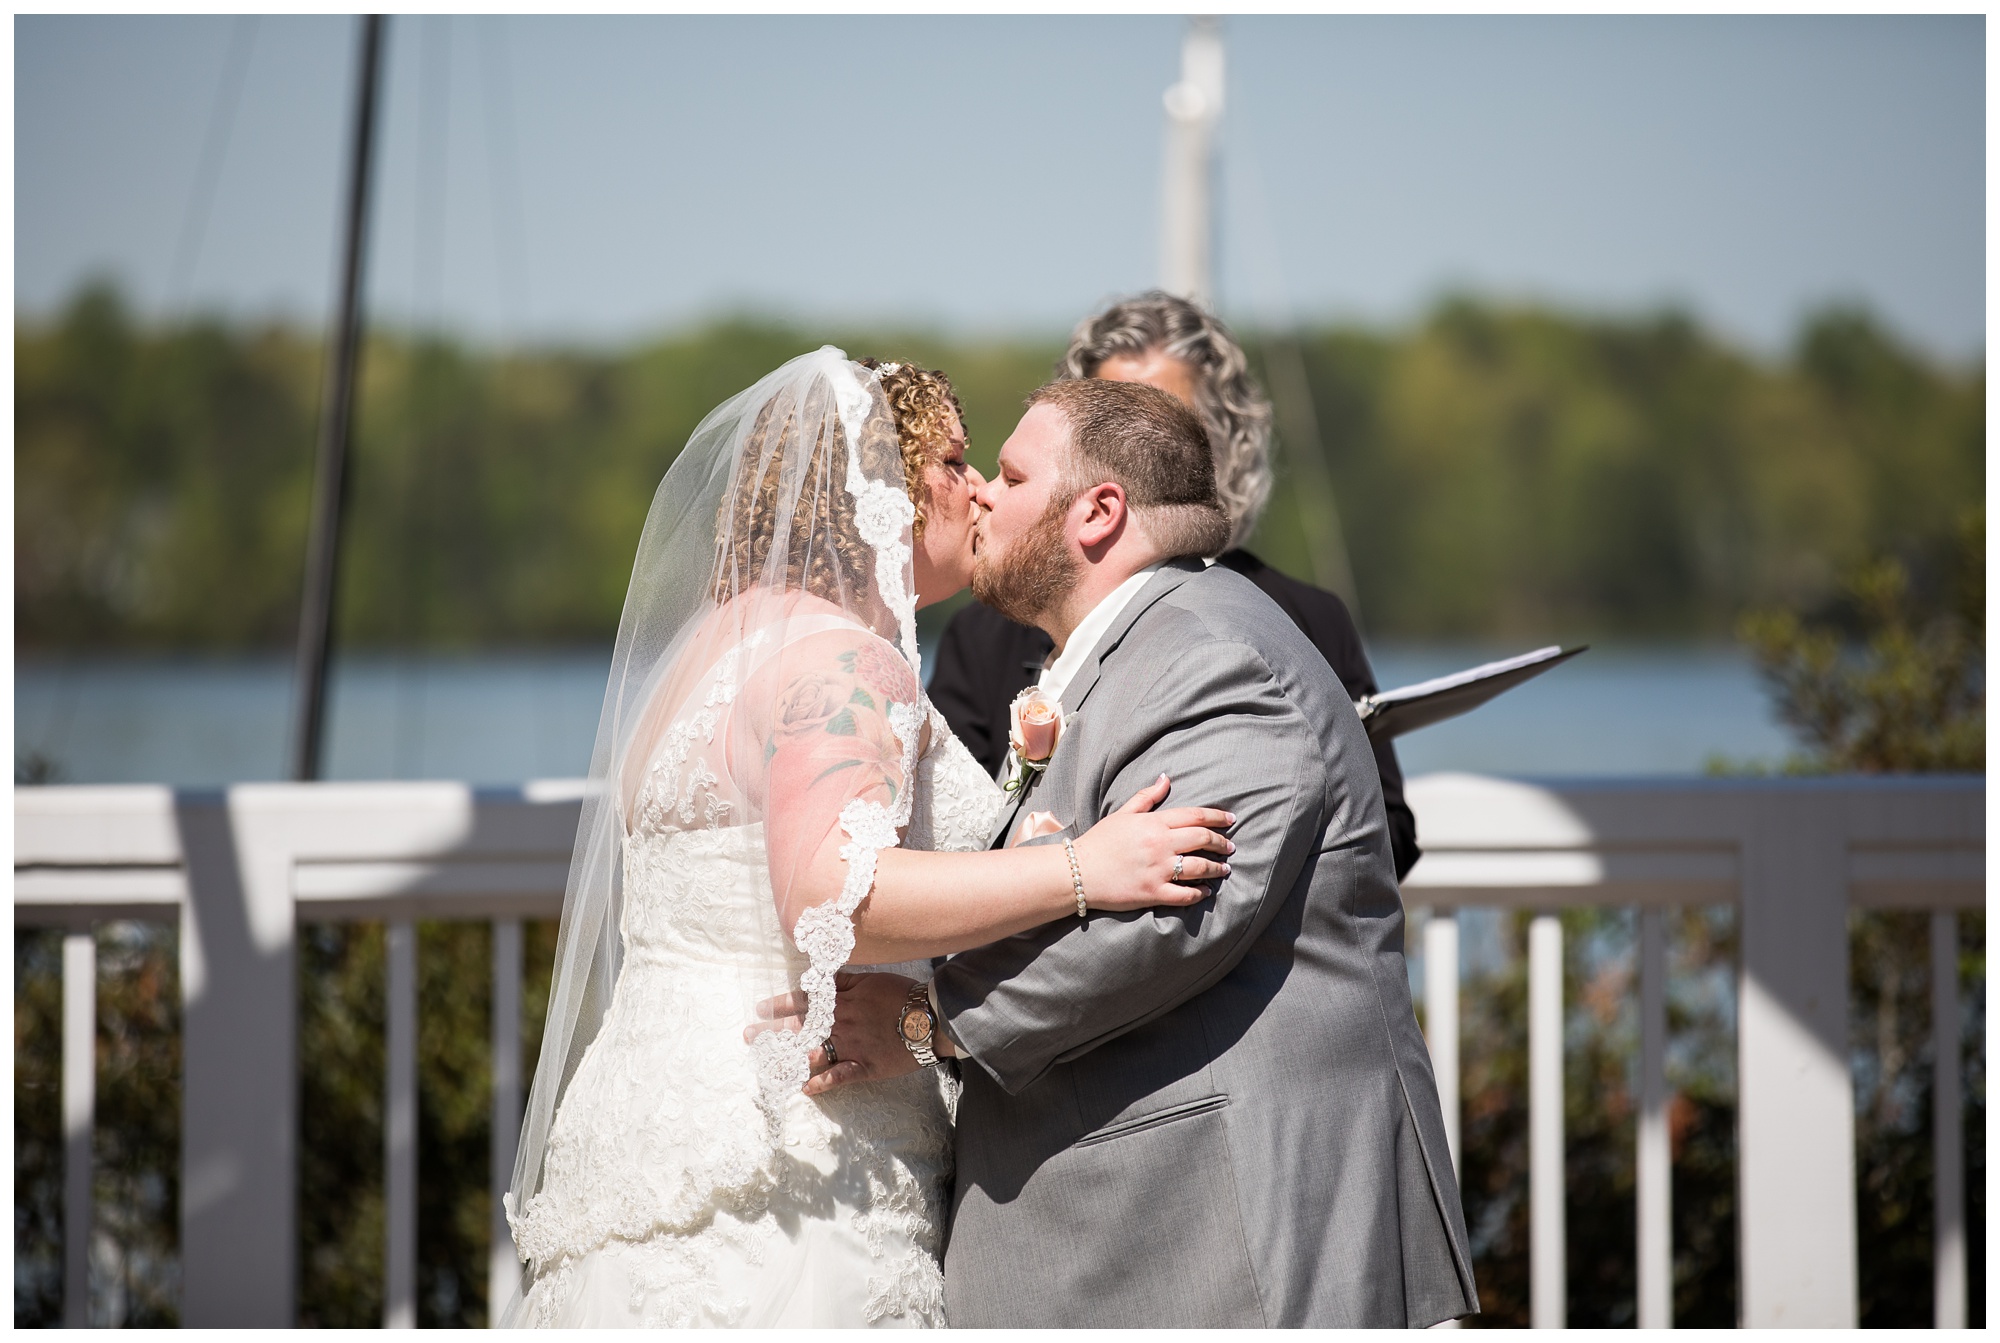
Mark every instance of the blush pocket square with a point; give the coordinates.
(1035, 825)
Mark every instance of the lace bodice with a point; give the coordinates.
(660, 1146)
(956, 804)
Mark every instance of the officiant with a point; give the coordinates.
(985, 659)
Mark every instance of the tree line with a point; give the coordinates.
(1499, 471)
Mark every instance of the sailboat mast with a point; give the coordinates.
(335, 425)
(1187, 225)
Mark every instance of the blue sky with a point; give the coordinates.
(595, 179)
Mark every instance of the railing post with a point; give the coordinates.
(239, 1087)
(399, 1131)
(1441, 1017)
(1656, 1221)
(1947, 1127)
(503, 1271)
(1795, 1094)
(79, 1111)
(1548, 1273)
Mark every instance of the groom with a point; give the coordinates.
(1219, 1115)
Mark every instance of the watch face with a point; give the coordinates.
(916, 1025)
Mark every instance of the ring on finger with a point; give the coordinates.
(832, 1054)
(1180, 860)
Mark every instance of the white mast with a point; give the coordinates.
(1187, 268)
(1187, 224)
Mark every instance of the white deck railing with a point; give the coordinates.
(238, 869)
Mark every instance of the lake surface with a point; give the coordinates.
(504, 717)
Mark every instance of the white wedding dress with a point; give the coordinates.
(663, 1202)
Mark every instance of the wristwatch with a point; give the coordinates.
(917, 1026)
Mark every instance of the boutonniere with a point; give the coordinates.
(1035, 724)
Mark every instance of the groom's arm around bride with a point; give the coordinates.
(1218, 1115)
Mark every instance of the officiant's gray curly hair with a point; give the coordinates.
(1232, 408)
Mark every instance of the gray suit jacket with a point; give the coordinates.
(1223, 1115)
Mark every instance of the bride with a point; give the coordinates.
(771, 798)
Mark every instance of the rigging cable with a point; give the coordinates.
(425, 362)
(510, 263)
(433, 165)
(215, 148)
(502, 156)
(1304, 450)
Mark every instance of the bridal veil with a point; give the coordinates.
(785, 519)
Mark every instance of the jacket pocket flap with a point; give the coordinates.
(1185, 1110)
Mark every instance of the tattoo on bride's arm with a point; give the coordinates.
(808, 702)
(874, 666)
(841, 721)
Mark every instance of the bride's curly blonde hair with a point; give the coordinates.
(923, 402)
(825, 554)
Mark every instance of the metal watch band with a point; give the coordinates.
(918, 1000)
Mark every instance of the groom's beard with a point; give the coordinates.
(1034, 575)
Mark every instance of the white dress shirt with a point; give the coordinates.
(1090, 631)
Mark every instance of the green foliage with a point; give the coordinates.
(1893, 1062)
(1891, 678)
(1501, 471)
(38, 1136)
(341, 985)
(158, 491)
(135, 1157)
(137, 1140)
(1599, 1120)
(342, 982)
(163, 478)
(1517, 472)
(454, 1121)
(1914, 698)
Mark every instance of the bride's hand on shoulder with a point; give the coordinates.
(1128, 859)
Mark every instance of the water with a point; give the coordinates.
(1616, 710)
(485, 718)
(504, 717)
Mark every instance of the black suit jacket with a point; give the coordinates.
(985, 659)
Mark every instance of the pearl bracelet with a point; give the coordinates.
(1076, 881)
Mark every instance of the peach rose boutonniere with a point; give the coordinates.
(1035, 724)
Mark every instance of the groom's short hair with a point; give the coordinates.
(1150, 444)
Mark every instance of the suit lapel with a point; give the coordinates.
(1171, 575)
